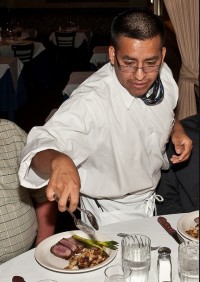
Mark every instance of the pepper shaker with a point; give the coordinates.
(164, 265)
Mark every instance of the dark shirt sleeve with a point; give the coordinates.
(179, 186)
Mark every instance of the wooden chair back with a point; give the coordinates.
(23, 51)
(65, 39)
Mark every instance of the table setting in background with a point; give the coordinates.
(100, 56)
(39, 63)
(12, 93)
(75, 79)
(82, 35)
(147, 233)
(16, 34)
(6, 46)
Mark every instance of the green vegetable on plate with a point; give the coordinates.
(98, 244)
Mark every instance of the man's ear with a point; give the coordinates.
(111, 51)
(163, 53)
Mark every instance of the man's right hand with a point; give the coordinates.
(64, 180)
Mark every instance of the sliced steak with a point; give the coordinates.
(61, 251)
(72, 246)
(77, 243)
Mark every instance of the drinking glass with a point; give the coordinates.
(117, 273)
(188, 261)
(136, 254)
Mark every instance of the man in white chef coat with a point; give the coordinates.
(105, 146)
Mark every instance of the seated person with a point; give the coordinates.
(23, 221)
(179, 186)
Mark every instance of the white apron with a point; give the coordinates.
(116, 210)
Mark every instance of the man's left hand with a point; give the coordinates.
(183, 146)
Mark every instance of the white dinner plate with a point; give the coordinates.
(45, 258)
(184, 224)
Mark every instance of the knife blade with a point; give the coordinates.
(167, 226)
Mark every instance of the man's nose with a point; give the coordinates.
(139, 74)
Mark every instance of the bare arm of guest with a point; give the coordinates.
(46, 216)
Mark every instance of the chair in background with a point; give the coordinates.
(65, 39)
(65, 49)
(25, 54)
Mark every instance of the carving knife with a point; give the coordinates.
(166, 225)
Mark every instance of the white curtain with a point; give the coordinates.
(184, 16)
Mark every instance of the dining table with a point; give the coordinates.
(100, 56)
(82, 35)
(12, 90)
(26, 265)
(75, 79)
(6, 46)
(40, 61)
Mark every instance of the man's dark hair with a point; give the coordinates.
(137, 23)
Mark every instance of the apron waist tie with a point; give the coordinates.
(150, 205)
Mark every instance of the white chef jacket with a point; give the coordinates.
(116, 141)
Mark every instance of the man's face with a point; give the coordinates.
(139, 54)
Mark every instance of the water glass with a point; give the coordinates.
(188, 261)
(117, 273)
(136, 254)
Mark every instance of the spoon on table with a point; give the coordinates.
(78, 222)
(125, 234)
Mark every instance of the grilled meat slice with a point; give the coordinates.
(61, 251)
(71, 245)
(77, 243)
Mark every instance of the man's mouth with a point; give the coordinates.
(139, 85)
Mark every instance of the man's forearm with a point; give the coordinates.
(41, 162)
(177, 127)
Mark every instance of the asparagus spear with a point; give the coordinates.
(98, 244)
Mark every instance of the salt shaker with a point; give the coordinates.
(164, 265)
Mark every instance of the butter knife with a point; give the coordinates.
(167, 226)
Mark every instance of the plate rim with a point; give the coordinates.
(37, 256)
(180, 228)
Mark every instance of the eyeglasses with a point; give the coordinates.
(131, 69)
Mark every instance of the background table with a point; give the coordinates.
(12, 91)
(81, 36)
(76, 78)
(25, 265)
(100, 56)
(14, 65)
(39, 64)
(6, 47)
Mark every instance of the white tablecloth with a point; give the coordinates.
(76, 78)
(81, 36)
(100, 56)
(26, 266)
(15, 66)
(6, 48)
